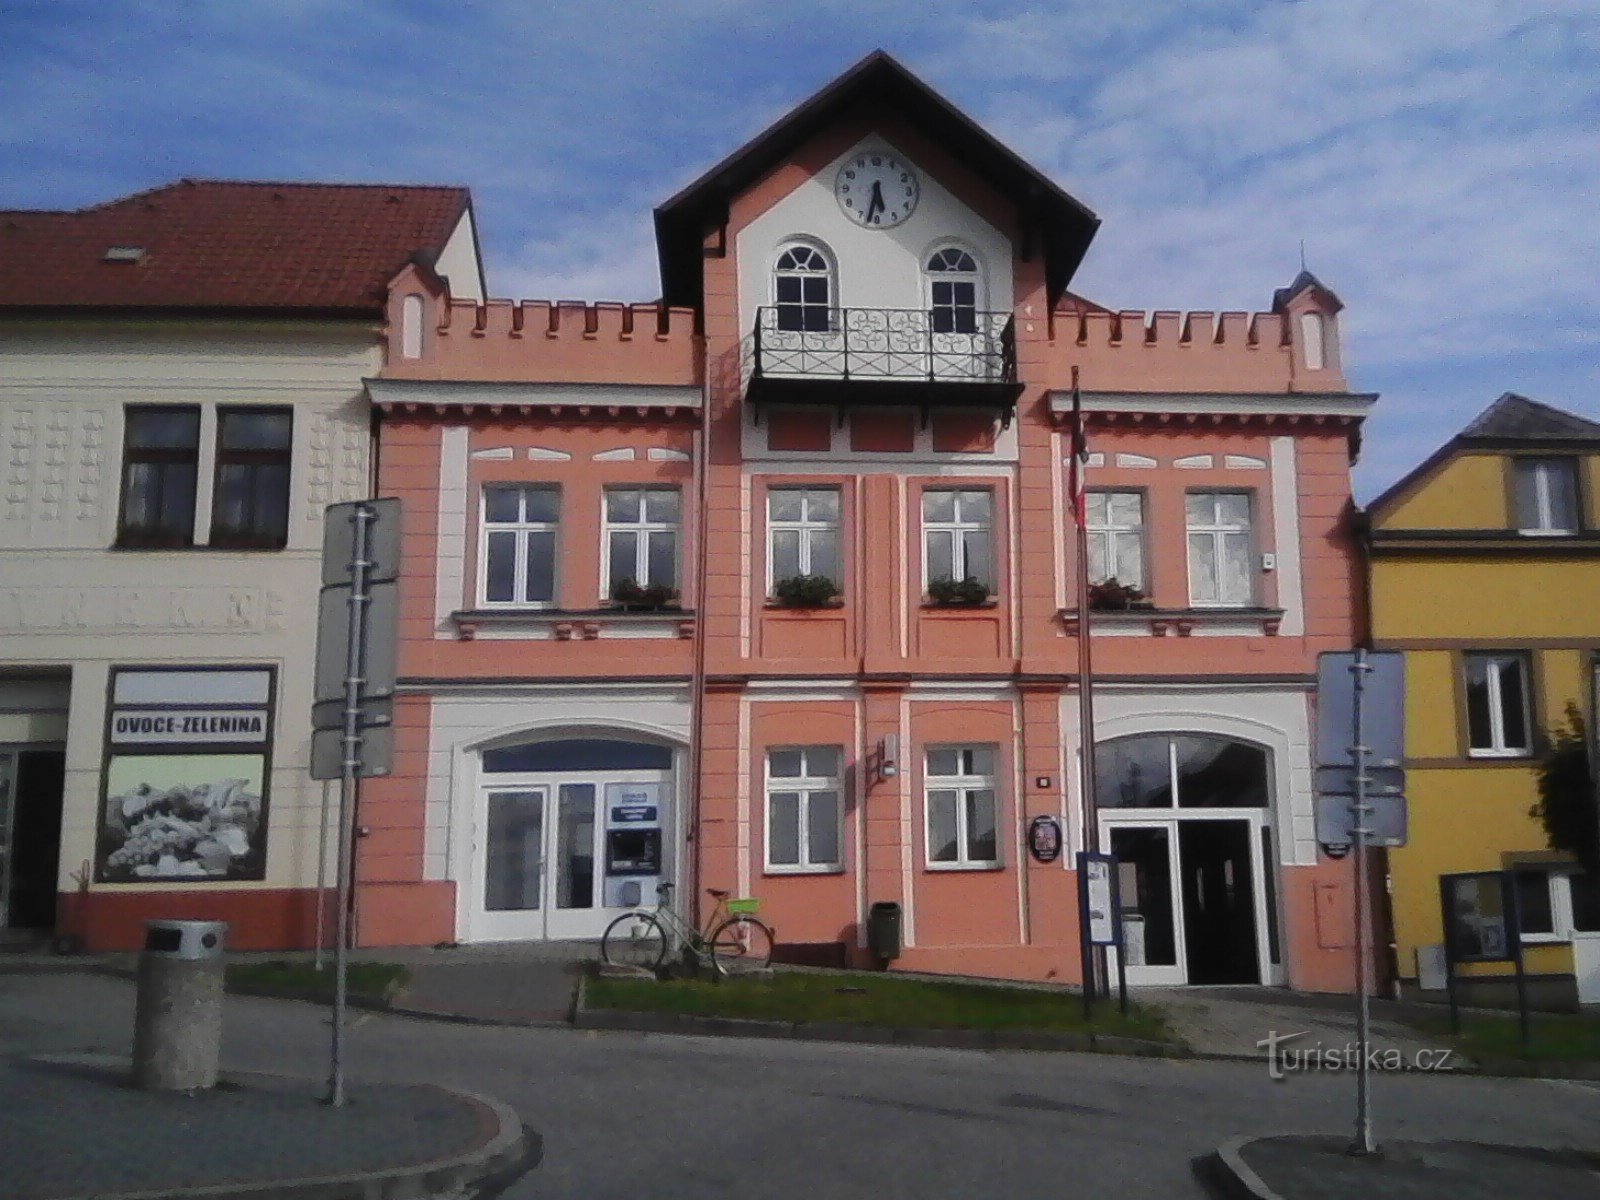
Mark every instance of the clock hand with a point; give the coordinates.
(877, 204)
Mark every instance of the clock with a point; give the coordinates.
(876, 190)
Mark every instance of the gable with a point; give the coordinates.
(1465, 491)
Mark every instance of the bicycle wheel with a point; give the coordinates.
(635, 939)
(741, 945)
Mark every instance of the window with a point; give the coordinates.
(961, 807)
(803, 526)
(1311, 331)
(959, 530)
(803, 813)
(1116, 537)
(802, 290)
(1555, 904)
(517, 561)
(641, 537)
(1220, 550)
(250, 508)
(1183, 770)
(953, 291)
(160, 463)
(1547, 495)
(1497, 706)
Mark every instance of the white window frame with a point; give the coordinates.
(829, 274)
(1563, 926)
(956, 528)
(975, 277)
(1106, 530)
(520, 529)
(1542, 469)
(1497, 715)
(807, 527)
(807, 786)
(646, 530)
(963, 785)
(1219, 531)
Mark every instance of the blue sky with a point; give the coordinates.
(1441, 161)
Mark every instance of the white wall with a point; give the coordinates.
(877, 268)
(458, 262)
(67, 600)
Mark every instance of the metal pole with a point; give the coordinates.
(1363, 1143)
(353, 681)
(320, 936)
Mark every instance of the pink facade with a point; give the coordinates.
(879, 746)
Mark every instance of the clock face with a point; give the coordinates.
(876, 190)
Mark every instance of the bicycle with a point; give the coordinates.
(733, 942)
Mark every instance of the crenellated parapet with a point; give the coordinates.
(432, 335)
(1293, 349)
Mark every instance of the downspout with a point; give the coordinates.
(697, 686)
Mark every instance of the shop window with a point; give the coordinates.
(577, 754)
(160, 463)
(1555, 904)
(803, 533)
(1186, 770)
(641, 538)
(958, 529)
(517, 559)
(962, 806)
(1115, 525)
(250, 508)
(804, 814)
(802, 290)
(1221, 546)
(1534, 903)
(1547, 495)
(1498, 724)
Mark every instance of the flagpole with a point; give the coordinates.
(1094, 959)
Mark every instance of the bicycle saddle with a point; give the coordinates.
(717, 895)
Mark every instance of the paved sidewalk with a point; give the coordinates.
(76, 1127)
(1230, 1022)
(515, 983)
(1321, 1168)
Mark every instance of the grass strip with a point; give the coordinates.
(1552, 1037)
(877, 1000)
(367, 980)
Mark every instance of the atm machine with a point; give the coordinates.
(636, 830)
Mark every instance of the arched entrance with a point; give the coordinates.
(568, 832)
(1187, 816)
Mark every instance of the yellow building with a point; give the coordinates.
(1485, 571)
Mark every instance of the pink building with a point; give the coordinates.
(768, 587)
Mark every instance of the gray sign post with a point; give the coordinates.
(354, 694)
(1361, 741)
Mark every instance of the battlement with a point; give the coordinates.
(431, 335)
(1199, 351)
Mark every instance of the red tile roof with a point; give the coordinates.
(224, 245)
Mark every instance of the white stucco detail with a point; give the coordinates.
(458, 261)
(1243, 462)
(450, 560)
(625, 454)
(665, 454)
(876, 268)
(1195, 462)
(1094, 460)
(545, 454)
(495, 454)
(1286, 536)
(1138, 461)
(1278, 719)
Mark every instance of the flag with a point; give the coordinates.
(1078, 469)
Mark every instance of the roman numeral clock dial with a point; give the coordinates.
(877, 191)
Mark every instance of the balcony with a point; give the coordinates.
(884, 356)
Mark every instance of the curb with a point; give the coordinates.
(505, 1149)
(1229, 1170)
(626, 1021)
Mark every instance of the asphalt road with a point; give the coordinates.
(638, 1116)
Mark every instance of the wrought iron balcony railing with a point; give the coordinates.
(885, 345)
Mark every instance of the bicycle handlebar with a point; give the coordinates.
(664, 888)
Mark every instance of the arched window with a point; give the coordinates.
(577, 754)
(1180, 770)
(803, 290)
(411, 327)
(953, 291)
(1311, 334)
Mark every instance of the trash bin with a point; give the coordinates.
(177, 1024)
(883, 930)
(1133, 938)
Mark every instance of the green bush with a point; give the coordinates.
(805, 591)
(632, 594)
(957, 592)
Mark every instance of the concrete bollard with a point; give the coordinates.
(177, 1030)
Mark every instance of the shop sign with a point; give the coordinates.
(187, 762)
(1044, 838)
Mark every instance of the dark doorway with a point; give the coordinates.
(1219, 905)
(35, 844)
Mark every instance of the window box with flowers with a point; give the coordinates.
(958, 593)
(633, 596)
(806, 591)
(1112, 595)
